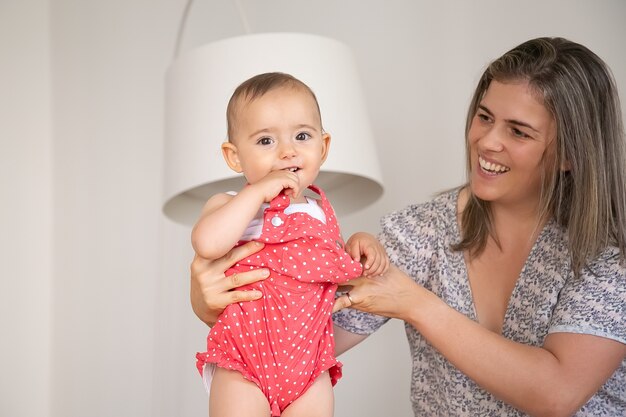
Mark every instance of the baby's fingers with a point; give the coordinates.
(367, 260)
(377, 262)
(372, 264)
(380, 266)
(371, 258)
(353, 250)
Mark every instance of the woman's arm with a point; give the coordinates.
(555, 379)
(345, 340)
(211, 291)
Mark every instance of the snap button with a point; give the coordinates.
(277, 221)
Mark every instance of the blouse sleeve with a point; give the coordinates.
(360, 322)
(403, 235)
(595, 302)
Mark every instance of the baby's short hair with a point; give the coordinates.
(258, 86)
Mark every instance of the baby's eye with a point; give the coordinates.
(302, 136)
(265, 141)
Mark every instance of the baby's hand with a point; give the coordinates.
(367, 249)
(275, 182)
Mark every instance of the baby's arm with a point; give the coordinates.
(225, 217)
(223, 220)
(365, 247)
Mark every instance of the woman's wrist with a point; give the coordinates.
(424, 308)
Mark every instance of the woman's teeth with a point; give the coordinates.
(492, 167)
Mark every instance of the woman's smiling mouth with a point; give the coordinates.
(492, 167)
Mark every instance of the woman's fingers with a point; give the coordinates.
(240, 296)
(348, 299)
(391, 294)
(341, 303)
(240, 279)
(236, 254)
(211, 291)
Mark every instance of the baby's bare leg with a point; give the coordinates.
(317, 401)
(234, 396)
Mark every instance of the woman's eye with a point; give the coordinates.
(482, 117)
(302, 136)
(518, 133)
(265, 141)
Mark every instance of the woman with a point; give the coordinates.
(514, 285)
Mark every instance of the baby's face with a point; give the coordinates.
(280, 130)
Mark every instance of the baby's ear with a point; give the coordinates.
(325, 146)
(231, 156)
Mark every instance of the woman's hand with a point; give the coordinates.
(212, 291)
(393, 294)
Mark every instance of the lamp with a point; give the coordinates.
(199, 84)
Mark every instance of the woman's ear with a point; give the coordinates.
(229, 151)
(565, 166)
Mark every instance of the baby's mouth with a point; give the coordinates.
(292, 169)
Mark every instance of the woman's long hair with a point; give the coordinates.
(589, 198)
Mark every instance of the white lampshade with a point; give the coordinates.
(198, 86)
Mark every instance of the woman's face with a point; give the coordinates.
(511, 141)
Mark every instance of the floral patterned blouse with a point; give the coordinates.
(547, 298)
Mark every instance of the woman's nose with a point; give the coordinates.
(492, 139)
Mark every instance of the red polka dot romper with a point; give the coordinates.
(284, 341)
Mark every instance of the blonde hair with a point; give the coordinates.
(258, 86)
(588, 199)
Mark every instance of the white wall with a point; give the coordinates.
(25, 209)
(83, 239)
(108, 60)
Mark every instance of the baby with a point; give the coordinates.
(275, 355)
